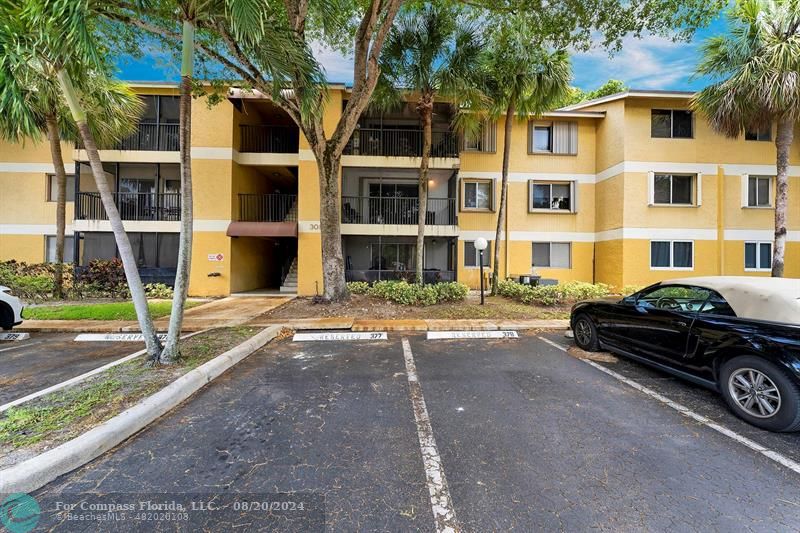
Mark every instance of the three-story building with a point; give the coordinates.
(624, 190)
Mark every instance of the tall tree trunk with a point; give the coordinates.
(501, 212)
(335, 287)
(783, 143)
(54, 137)
(123, 243)
(171, 347)
(425, 109)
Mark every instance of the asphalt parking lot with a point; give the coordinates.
(50, 358)
(526, 436)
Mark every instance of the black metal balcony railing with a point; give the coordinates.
(400, 143)
(428, 276)
(154, 137)
(131, 206)
(397, 210)
(268, 208)
(269, 139)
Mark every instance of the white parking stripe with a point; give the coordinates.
(20, 346)
(766, 452)
(442, 505)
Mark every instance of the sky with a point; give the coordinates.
(651, 62)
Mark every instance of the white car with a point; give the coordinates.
(10, 309)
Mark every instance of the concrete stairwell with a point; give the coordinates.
(289, 283)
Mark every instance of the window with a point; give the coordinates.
(757, 255)
(478, 195)
(483, 140)
(52, 188)
(50, 249)
(674, 298)
(471, 254)
(671, 255)
(559, 137)
(716, 305)
(673, 189)
(671, 123)
(542, 138)
(758, 191)
(552, 254)
(764, 134)
(552, 196)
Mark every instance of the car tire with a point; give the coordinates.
(777, 390)
(585, 333)
(6, 317)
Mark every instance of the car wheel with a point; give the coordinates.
(585, 334)
(6, 317)
(761, 393)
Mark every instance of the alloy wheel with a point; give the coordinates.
(754, 392)
(583, 332)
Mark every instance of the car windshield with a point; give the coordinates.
(673, 298)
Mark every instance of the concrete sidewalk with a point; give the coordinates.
(225, 312)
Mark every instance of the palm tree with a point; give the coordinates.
(56, 38)
(522, 80)
(433, 54)
(755, 71)
(39, 110)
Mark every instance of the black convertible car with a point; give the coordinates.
(739, 336)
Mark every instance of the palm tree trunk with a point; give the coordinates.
(171, 349)
(333, 279)
(426, 112)
(123, 243)
(783, 142)
(501, 212)
(54, 137)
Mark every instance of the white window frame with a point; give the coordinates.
(573, 202)
(487, 255)
(671, 254)
(672, 123)
(550, 255)
(49, 185)
(746, 191)
(463, 202)
(759, 267)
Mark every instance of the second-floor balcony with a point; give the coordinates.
(269, 139)
(400, 143)
(131, 206)
(397, 210)
(150, 137)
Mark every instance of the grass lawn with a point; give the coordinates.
(98, 311)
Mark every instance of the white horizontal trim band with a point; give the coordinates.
(144, 226)
(689, 234)
(46, 168)
(766, 235)
(32, 229)
(211, 225)
(523, 177)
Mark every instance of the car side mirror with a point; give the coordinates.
(628, 300)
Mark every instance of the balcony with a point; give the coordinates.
(265, 215)
(151, 137)
(397, 210)
(132, 206)
(269, 139)
(400, 143)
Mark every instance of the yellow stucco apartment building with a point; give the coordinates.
(625, 190)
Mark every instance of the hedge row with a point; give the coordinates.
(570, 291)
(100, 279)
(406, 293)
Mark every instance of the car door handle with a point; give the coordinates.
(679, 323)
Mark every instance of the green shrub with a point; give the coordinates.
(104, 277)
(358, 287)
(159, 291)
(627, 290)
(406, 293)
(553, 294)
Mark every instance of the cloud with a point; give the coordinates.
(652, 62)
(338, 67)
